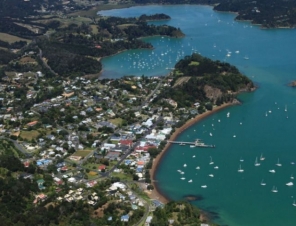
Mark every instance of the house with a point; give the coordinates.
(33, 123)
(102, 167)
(124, 218)
(148, 220)
(128, 143)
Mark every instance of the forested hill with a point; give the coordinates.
(199, 79)
(268, 13)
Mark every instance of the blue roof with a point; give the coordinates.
(125, 217)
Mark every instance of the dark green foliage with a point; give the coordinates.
(6, 56)
(157, 16)
(184, 214)
(204, 71)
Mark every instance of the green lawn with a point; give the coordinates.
(122, 176)
(82, 153)
(194, 63)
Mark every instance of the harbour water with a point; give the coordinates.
(264, 123)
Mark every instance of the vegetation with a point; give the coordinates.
(221, 78)
(181, 213)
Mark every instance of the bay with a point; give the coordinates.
(259, 125)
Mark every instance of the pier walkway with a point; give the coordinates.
(196, 143)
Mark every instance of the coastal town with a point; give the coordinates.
(94, 131)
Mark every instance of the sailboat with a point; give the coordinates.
(241, 160)
(240, 170)
(278, 163)
(261, 157)
(294, 204)
(289, 184)
(286, 108)
(190, 181)
(256, 162)
(263, 183)
(211, 161)
(292, 177)
(274, 189)
(185, 165)
(204, 186)
(272, 171)
(216, 167)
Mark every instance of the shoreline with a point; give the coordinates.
(156, 193)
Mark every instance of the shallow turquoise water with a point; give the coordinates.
(237, 198)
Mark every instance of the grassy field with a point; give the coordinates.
(82, 153)
(29, 135)
(122, 176)
(116, 121)
(93, 11)
(181, 80)
(11, 38)
(28, 60)
(94, 29)
(123, 26)
(194, 63)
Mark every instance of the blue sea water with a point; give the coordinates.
(261, 125)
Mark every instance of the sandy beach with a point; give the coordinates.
(156, 194)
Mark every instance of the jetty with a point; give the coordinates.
(196, 143)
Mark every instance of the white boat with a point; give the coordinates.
(261, 157)
(274, 189)
(228, 114)
(286, 108)
(263, 183)
(237, 51)
(219, 120)
(182, 173)
(211, 161)
(181, 144)
(211, 175)
(192, 146)
(278, 163)
(185, 165)
(256, 162)
(234, 136)
(294, 204)
(216, 167)
(240, 170)
(193, 156)
(269, 111)
(292, 177)
(204, 186)
(272, 171)
(190, 181)
(246, 58)
(197, 167)
(211, 134)
(183, 178)
(289, 184)
(179, 171)
(241, 160)
(266, 114)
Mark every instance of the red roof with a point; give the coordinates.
(144, 148)
(26, 164)
(126, 142)
(102, 167)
